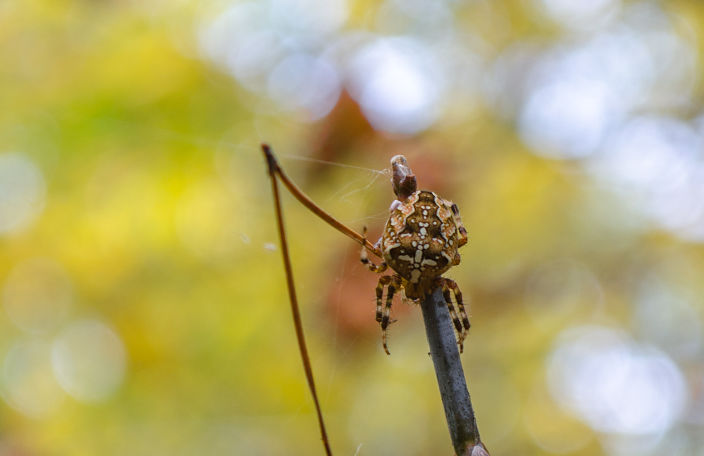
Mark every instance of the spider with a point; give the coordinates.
(419, 243)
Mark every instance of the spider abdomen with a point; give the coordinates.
(421, 237)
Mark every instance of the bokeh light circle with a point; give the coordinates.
(303, 82)
(398, 84)
(581, 15)
(655, 163)
(22, 192)
(260, 43)
(567, 119)
(89, 360)
(309, 20)
(27, 383)
(615, 384)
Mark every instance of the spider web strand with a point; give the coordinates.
(331, 163)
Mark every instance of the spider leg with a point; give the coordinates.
(393, 284)
(449, 288)
(364, 258)
(383, 282)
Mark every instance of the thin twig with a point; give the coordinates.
(307, 202)
(459, 413)
(294, 301)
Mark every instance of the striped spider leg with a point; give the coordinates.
(461, 322)
(392, 283)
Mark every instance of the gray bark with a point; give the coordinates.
(448, 369)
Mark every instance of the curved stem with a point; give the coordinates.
(307, 367)
(307, 202)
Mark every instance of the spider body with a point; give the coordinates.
(419, 243)
(421, 239)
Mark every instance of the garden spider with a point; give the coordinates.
(419, 244)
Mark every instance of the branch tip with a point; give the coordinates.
(479, 450)
(271, 162)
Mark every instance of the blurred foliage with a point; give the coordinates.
(145, 309)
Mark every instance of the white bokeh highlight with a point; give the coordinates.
(89, 360)
(22, 192)
(614, 384)
(27, 383)
(568, 118)
(656, 165)
(276, 48)
(668, 316)
(671, 47)
(575, 94)
(580, 15)
(398, 84)
(241, 41)
(308, 20)
(303, 82)
(571, 96)
(417, 16)
(301, 56)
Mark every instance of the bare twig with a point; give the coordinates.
(459, 413)
(307, 202)
(272, 168)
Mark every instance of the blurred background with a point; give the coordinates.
(144, 309)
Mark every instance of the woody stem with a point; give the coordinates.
(317, 210)
(459, 413)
